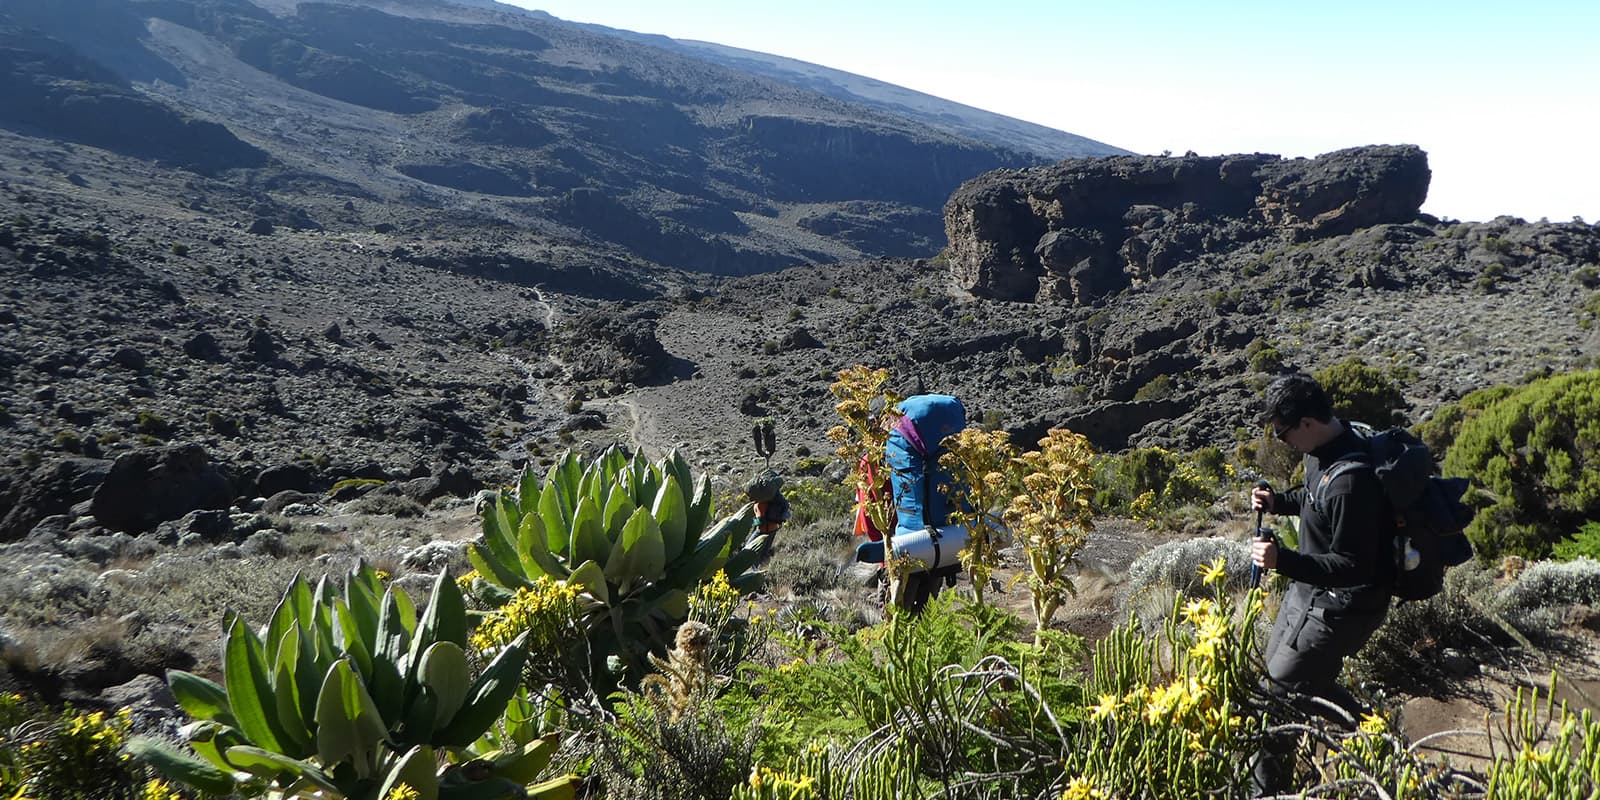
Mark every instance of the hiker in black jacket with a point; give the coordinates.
(1339, 576)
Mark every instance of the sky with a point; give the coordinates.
(1503, 96)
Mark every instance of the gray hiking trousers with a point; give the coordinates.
(1304, 657)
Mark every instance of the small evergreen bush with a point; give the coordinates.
(1533, 454)
(1361, 393)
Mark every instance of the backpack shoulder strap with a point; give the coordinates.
(1347, 463)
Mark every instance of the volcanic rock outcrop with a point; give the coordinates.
(1085, 228)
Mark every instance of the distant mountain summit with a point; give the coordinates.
(568, 143)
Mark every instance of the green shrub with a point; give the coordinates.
(1534, 456)
(152, 424)
(1546, 589)
(352, 692)
(813, 500)
(1361, 393)
(1147, 481)
(1583, 544)
(833, 684)
(71, 756)
(1158, 388)
(1439, 432)
(1405, 654)
(636, 536)
(1267, 360)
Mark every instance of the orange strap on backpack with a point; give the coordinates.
(864, 526)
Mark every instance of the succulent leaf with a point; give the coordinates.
(444, 621)
(742, 560)
(589, 542)
(388, 680)
(211, 741)
(557, 517)
(486, 699)
(285, 616)
(522, 765)
(180, 766)
(363, 603)
(500, 529)
(250, 696)
(639, 556)
(590, 576)
(265, 763)
(349, 727)
(416, 770)
(700, 506)
(671, 512)
(286, 696)
(348, 638)
(528, 490)
(444, 671)
(492, 569)
(533, 550)
(618, 509)
(199, 697)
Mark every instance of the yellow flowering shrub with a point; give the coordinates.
(550, 612)
(160, 790)
(1551, 750)
(1173, 730)
(1051, 517)
(75, 756)
(866, 408)
(769, 784)
(981, 464)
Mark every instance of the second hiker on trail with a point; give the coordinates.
(1341, 573)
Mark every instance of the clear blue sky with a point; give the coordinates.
(1504, 96)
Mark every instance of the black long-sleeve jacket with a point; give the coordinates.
(1346, 539)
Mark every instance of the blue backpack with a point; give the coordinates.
(913, 452)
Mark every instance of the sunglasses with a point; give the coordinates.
(1281, 434)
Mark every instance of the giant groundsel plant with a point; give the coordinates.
(350, 694)
(637, 536)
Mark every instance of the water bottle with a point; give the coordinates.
(1413, 559)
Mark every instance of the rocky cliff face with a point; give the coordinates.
(1086, 228)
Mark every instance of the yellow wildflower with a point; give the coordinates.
(1196, 610)
(1081, 788)
(1536, 756)
(1373, 724)
(402, 792)
(1105, 708)
(1214, 573)
(159, 790)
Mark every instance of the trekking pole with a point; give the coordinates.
(1255, 571)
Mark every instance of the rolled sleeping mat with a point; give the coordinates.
(936, 552)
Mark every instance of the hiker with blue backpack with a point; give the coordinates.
(1375, 524)
(924, 542)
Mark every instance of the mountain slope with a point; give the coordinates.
(577, 138)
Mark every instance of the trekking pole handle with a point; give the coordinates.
(1255, 571)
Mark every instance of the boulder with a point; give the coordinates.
(153, 709)
(151, 485)
(209, 526)
(283, 477)
(288, 497)
(435, 556)
(52, 489)
(202, 347)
